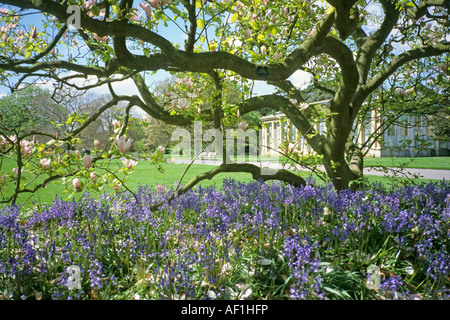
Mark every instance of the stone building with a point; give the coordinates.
(401, 139)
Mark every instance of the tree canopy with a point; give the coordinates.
(350, 48)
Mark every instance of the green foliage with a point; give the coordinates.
(23, 111)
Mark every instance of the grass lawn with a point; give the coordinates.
(420, 162)
(146, 174)
(442, 163)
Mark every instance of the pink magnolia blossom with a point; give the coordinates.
(93, 177)
(116, 123)
(147, 9)
(161, 149)
(34, 33)
(87, 160)
(26, 147)
(303, 106)
(242, 125)
(277, 56)
(16, 170)
(129, 163)
(174, 103)
(76, 184)
(96, 143)
(156, 3)
(122, 144)
(263, 49)
(46, 163)
(117, 186)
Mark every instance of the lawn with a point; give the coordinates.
(442, 163)
(147, 174)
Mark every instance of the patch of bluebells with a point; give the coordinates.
(184, 245)
(299, 253)
(391, 287)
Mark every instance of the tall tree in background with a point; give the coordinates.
(349, 47)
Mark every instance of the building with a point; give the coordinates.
(401, 139)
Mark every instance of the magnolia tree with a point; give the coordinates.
(351, 48)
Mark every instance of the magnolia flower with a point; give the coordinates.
(303, 105)
(26, 147)
(129, 163)
(93, 177)
(174, 103)
(13, 138)
(155, 3)
(116, 123)
(161, 149)
(148, 10)
(123, 146)
(402, 91)
(87, 160)
(96, 143)
(16, 170)
(34, 33)
(117, 186)
(76, 184)
(263, 49)
(45, 162)
(242, 125)
(238, 113)
(277, 56)
(248, 33)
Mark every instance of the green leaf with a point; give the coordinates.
(115, 9)
(95, 10)
(200, 23)
(234, 17)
